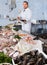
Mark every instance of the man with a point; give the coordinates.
(25, 17)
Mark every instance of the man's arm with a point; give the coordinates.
(23, 20)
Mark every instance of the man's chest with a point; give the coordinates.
(24, 13)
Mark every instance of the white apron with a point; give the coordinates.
(26, 27)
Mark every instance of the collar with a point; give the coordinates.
(26, 9)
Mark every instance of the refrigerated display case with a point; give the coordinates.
(39, 29)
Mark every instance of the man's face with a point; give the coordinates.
(25, 5)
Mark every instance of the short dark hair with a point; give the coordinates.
(25, 2)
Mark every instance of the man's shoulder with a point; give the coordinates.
(28, 9)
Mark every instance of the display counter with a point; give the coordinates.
(39, 28)
(16, 43)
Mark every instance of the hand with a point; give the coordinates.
(18, 18)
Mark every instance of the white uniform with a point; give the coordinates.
(26, 15)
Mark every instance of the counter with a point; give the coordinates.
(5, 21)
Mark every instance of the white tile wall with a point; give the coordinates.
(38, 8)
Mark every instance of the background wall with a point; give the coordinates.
(38, 8)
